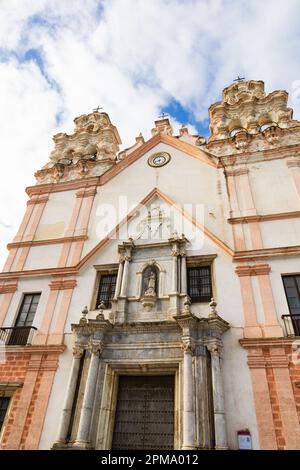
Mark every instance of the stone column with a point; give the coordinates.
(125, 276)
(68, 404)
(175, 271)
(82, 439)
(218, 399)
(183, 274)
(119, 278)
(188, 441)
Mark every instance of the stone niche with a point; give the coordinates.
(149, 285)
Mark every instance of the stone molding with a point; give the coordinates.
(61, 284)
(8, 288)
(255, 270)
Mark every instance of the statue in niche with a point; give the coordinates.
(151, 280)
(150, 287)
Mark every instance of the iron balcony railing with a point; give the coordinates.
(16, 335)
(291, 324)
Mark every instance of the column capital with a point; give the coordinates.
(95, 347)
(78, 351)
(188, 346)
(215, 349)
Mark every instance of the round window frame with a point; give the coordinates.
(152, 157)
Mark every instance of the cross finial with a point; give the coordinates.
(239, 79)
(96, 110)
(163, 115)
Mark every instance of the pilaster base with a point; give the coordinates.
(272, 331)
(253, 332)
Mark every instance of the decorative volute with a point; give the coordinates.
(246, 109)
(89, 151)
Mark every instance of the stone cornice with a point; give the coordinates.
(36, 349)
(254, 343)
(248, 219)
(65, 186)
(49, 241)
(264, 253)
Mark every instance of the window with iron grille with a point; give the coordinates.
(4, 402)
(199, 283)
(27, 310)
(107, 289)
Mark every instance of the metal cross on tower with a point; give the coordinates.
(239, 79)
(96, 110)
(163, 115)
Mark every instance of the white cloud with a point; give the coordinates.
(131, 57)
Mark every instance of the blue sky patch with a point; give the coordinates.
(184, 116)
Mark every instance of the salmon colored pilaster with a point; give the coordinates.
(30, 207)
(82, 230)
(294, 165)
(71, 229)
(30, 230)
(31, 204)
(7, 291)
(271, 328)
(41, 403)
(263, 408)
(41, 336)
(255, 235)
(244, 192)
(238, 234)
(234, 206)
(251, 328)
(41, 203)
(289, 416)
(57, 336)
(10, 259)
(15, 436)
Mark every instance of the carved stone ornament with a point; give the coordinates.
(83, 320)
(188, 346)
(78, 351)
(214, 349)
(90, 151)
(96, 347)
(213, 311)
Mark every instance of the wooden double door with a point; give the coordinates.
(144, 416)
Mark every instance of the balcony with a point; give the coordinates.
(17, 335)
(291, 324)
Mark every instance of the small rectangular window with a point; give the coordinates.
(292, 291)
(107, 288)
(199, 284)
(4, 402)
(27, 310)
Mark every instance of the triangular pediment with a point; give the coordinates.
(134, 225)
(173, 142)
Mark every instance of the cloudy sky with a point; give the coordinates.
(134, 58)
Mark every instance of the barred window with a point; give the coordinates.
(107, 289)
(199, 284)
(4, 402)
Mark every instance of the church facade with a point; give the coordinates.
(151, 297)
